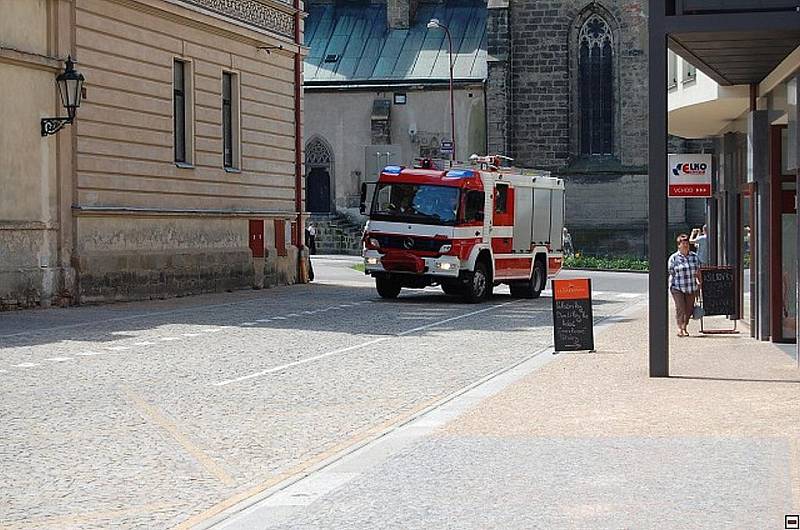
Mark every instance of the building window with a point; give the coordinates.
(230, 120)
(182, 111)
(689, 72)
(672, 69)
(596, 86)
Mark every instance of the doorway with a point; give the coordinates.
(318, 190)
(319, 176)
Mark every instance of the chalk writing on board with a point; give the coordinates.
(572, 317)
(718, 291)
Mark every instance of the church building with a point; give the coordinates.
(567, 92)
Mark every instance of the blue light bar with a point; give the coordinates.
(460, 173)
(393, 170)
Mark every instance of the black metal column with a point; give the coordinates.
(658, 213)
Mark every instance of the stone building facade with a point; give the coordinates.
(386, 75)
(181, 173)
(567, 92)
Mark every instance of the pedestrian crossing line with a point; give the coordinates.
(169, 339)
(190, 334)
(89, 353)
(26, 365)
(117, 348)
(144, 343)
(59, 359)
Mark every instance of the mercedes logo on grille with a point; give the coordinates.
(408, 243)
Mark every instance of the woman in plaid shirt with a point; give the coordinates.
(684, 283)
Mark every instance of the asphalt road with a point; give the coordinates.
(163, 413)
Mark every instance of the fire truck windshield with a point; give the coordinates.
(418, 203)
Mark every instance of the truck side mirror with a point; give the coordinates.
(362, 207)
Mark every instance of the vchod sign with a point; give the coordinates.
(689, 176)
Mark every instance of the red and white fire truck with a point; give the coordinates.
(465, 229)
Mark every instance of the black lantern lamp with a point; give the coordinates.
(70, 88)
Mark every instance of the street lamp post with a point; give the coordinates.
(434, 23)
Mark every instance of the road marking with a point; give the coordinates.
(278, 318)
(59, 359)
(629, 296)
(26, 365)
(117, 348)
(263, 320)
(3, 371)
(89, 353)
(355, 347)
(144, 343)
(190, 334)
(210, 330)
(292, 315)
(149, 412)
(169, 339)
(309, 312)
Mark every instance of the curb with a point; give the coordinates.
(604, 270)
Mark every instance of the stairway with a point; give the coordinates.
(337, 234)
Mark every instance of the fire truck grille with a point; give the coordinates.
(410, 243)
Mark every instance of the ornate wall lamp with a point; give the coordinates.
(70, 88)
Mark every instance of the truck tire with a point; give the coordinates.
(387, 287)
(534, 286)
(480, 285)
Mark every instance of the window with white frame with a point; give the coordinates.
(672, 69)
(230, 121)
(182, 116)
(689, 72)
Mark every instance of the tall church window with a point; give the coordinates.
(596, 85)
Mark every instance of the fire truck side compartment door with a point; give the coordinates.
(557, 216)
(523, 214)
(541, 215)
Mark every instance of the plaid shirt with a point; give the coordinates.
(683, 272)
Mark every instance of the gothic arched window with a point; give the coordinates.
(318, 153)
(596, 85)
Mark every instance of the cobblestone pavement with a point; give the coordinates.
(157, 414)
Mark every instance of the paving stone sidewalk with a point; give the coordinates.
(590, 441)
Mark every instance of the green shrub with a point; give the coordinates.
(359, 267)
(580, 261)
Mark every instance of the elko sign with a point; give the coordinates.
(689, 176)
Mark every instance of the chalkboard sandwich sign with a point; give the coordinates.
(573, 324)
(718, 295)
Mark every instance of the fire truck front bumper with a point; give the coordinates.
(439, 267)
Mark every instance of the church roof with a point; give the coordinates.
(352, 44)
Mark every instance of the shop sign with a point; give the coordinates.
(689, 176)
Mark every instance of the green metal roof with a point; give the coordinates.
(352, 44)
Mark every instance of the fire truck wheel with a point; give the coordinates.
(479, 287)
(539, 279)
(387, 287)
(533, 287)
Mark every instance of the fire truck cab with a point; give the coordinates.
(465, 229)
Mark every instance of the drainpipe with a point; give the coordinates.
(298, 129)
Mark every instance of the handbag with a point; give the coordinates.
(698, 312)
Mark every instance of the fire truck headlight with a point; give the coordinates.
(445, 249)
(444, 266)
(372, 261)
